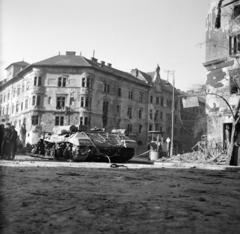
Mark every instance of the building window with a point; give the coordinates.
(26, 104)
(18, 92)
(236, 11)
(60, 102)
(59, 120)
(49, 100)
(130, 95)
(157, 127)
(234, 82)
(140, 113)
(151, 114)
(234, 44)
(35, 120)
(33, 100)
(151, 99)
(119, 92)
(86, 121)
(83, 82)
(38, 100)
(118, 109)
(106, 88)
(141, 97)
(129, 112)
(150, 127)
(21, 106)
(84, 102)
(162, 101)
(88, 83)
(71, 101)
(81, 121)
(129, 128)
(37, 81)
(157, 100)
(161, 115)
(156, 115)
(140, 128)
(62, 81)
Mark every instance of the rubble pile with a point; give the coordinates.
(197, 157)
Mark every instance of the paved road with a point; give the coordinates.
(92, 200)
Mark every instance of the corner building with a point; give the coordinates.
(70, 89)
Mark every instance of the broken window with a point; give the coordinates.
(236, 11)
(234, 44)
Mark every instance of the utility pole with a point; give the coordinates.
(168, 73)
(173, 110)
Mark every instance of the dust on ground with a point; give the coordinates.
(87, 200)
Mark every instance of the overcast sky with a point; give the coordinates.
(127, 33)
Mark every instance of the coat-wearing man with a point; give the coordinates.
(6, 143)
(1, 138)
(14, 137)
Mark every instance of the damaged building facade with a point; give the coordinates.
(223, 69)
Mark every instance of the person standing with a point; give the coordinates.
(6, 143)
(14, 137)
(1, 139)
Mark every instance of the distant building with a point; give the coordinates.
(223, 69)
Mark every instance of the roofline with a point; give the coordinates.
(26, 69)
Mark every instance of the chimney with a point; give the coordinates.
(102, 63)
(71, 53)
(109, 65)
(94, 60)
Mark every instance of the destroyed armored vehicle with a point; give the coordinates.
(92, 146)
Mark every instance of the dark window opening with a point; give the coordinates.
(234, 84)
(236, 11)
(234, 44)
(129, 113)
(35, 120)
(60, 103)
(59, 121)
(119, 92)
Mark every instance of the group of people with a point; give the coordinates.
(8, 141)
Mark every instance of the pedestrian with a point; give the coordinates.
(1, 139)
(14, 137)
(6, 143)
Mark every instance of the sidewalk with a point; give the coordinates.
(27, 161)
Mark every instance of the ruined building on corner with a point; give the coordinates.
(223, 69)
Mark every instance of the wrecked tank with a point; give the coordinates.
(92, 146)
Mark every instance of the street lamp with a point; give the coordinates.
(173, 110)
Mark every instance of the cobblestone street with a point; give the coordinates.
(95, 200)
